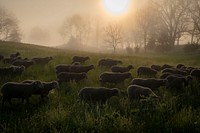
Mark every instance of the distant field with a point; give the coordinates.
(176, 112)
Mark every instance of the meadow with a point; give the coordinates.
(64, 112)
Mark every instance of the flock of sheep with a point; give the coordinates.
(172, 77)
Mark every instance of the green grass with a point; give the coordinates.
(64, 112)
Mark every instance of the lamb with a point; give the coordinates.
(179, 66)
(156, 67)
(110, 77)
(151, 83)
(166, 66)
(12, 70)
(42, 61)
(74, 68)
(68, 76)
(195, 73)
(108, 62)
(175, 71)
(80, 59)
(138, 92)
(47, 86)
(14, 55)
(97, 94)
(121, 69)
(146, 71)
(19, 90)
(24, 63)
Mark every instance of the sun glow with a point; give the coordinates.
(116, 7)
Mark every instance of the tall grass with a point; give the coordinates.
(64, 112)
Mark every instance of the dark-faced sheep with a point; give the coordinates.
(138, 92)
(68, 76)
(80, 59)
(110, 77)
(24, 63)
(175, 71)
(14, 55)
(152, 83)
(47, 86)
(166, 66)
(97, 94)
(19, 90)
(42, 61)
(121, 69)
(156, 67)
(195, 73)
(146, 71)
(108, 62)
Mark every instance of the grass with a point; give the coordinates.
(64, 112)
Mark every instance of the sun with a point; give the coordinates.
(116, 7)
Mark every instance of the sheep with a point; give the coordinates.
(110, 77)
(14, 55)
(178, 82)
(165, 74)
(121, 69)
(175, 71)
(108, 62)
(19, 90)
(76, 63)
(42, 61)
(74, 68)
(146, 71)
(24, 63)
(80, 59)
(156, 67)
(179, 66)
(195, 73)
(7, 60)
(152, 83)
(1, 57)
(63, 67)
(166, 66)
(68, 76)
(138, 92)
(47, 86)
(12, 70)
(97, 94)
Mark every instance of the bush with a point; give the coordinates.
(189, 48)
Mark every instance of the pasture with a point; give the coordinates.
(64, 112)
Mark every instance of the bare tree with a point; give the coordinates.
(113, 35)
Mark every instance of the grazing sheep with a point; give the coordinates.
(179, 66)
(80, 59)
(152, 83)
(7, 60)
(74, 68)
(195, 73)
(68, 76)
(63, 67)
(97, 94)
(146, 71)
(15, 59)
(47, 86)
(108, 62)
(110, 77)
(42, 61)
(12, 70)
(175, 71)
(24, 63)
(166, 66)
(1, 57)
(14, 55)
(156, 67)
(19, 90)
(121, 69)
(138, 92)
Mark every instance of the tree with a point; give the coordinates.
(113, 35)
(9, 28)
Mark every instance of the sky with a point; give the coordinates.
(49, 15)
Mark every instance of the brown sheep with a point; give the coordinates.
(146, 71)
(121, 69)
(80, 59)
(110, 77)
(156, 67)
(175, 71)
(138, 92)
(19, 90)
(97, 94)
(108, 62)
(68, 76)
(152, 83)
(42, 61)
(24, 63)
(166, 66)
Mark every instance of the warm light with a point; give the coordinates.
(116, 7)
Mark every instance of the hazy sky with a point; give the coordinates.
(49, 14)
